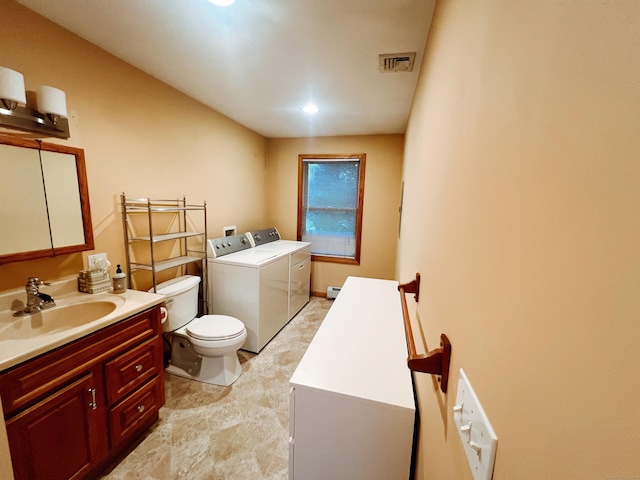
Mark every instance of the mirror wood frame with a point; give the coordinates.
(83, 194)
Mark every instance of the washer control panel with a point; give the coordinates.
(260, 237)
(217, 247)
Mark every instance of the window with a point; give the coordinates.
(330, 193)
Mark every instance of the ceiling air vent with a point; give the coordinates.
(396, 62)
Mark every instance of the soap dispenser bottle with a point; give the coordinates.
(119, 281)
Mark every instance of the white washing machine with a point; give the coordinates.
(249, 284)
(299, 254)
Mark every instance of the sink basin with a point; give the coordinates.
(54, 320)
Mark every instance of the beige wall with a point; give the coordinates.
(381, 200)
(139, 135)
(522, 214)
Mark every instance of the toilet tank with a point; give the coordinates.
(181, 300)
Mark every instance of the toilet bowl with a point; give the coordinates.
(202, 348)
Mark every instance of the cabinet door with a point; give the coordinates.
(58, 438)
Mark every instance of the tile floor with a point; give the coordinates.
(238, 432)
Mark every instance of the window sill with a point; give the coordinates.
(332, 259)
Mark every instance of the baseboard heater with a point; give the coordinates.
(332, 292)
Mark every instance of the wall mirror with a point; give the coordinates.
(44, 200)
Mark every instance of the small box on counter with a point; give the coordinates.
(94, 281)
(95, 275)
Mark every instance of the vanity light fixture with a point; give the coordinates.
(50, 118)
(310, 108)
(11, 88)
(52, 102)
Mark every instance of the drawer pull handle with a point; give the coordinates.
(138, 368)
(92, 403)
(140, 408)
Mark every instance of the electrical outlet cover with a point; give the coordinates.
(95, 258)
(478, 438)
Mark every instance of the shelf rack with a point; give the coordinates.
(179, 232)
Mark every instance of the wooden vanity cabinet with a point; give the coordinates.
(70, 412)
(58, 438)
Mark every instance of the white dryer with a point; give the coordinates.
(299, 254)
(249, 284)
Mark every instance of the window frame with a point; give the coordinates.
(361, 158)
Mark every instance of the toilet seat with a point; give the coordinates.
(215, 327)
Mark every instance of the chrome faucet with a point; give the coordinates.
(36, 300)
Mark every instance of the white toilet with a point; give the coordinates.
(203, 348)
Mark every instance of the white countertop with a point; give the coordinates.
(64, 292)
(360, 348)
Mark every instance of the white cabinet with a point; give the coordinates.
(352, 409)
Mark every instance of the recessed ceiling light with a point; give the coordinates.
(222, 3)
(310, 108)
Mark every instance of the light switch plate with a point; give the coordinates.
(478, 438)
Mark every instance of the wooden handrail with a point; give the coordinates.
(435, 362)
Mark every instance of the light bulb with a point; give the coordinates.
(222, 3)
(310, 108)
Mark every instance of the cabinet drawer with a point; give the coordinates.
(299, 275)
(133, 368)
(33, 380)
(300, 256)
(136, 412)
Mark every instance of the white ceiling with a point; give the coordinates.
(259, 61)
